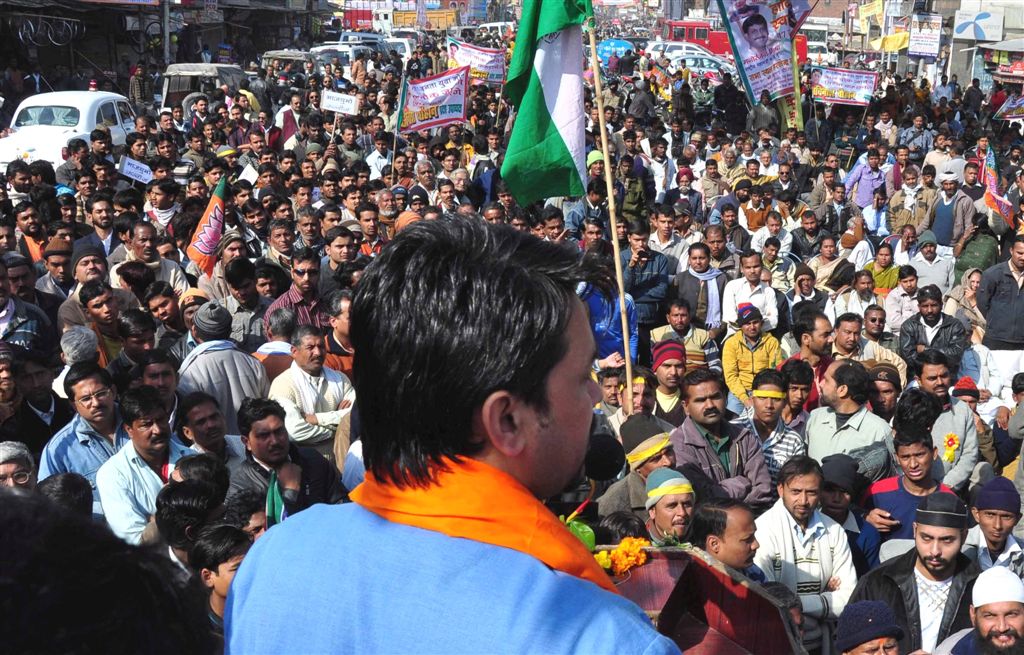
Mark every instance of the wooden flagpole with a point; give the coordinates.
(627, 408)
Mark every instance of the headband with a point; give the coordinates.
(648, 453)
(764, 393)
(672, 489)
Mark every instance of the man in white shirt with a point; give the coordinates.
(665, 240)
(749, 289)
(772, 228)
(380, 157)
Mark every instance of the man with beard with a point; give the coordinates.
(807, 238)
(844, 424)
(997, 614)
(719, 458)
(202, 423)
(874, 328)
(813, 332)
(930, 267)
(128, 482)
(932, 329)
(928, 587)
(849, 344)
(886, 389)
(807, 551)
(669, 505)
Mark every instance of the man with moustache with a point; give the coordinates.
(929, 587)
(128, 482)
(669, 505)
(997, 615)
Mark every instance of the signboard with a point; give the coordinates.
(608, 47)
(978, 25)
(761, 37)
(249, 174)
(1012, 109)
(925, 34)
(841, 86)
(135, 170)
(339, 103)
(486, 65)
(434, 101)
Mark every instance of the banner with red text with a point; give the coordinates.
(434, 101)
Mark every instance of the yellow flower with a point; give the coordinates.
(604, 559)
(951, 442)
(628, 554)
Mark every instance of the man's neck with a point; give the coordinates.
(925, 573)
(764, 430)
(788, 413)
(923, 488)
(846, 406)
(217, 604)
(665, 391)
(155, 462)
(810, 357)
(715, 429)
(101, 232)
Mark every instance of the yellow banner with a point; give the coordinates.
(891, 42)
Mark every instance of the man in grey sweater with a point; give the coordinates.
(953, 433)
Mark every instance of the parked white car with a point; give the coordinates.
(676, 49)
(45, 122)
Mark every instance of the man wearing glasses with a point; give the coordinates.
(16, 466)
(93, 435)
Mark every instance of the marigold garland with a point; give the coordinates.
(627, 555)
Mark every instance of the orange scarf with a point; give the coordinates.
(476, 501)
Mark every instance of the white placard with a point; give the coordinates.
(135, 170)
(249, 174)
(339, 103)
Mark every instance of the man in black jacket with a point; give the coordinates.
(1001, 301)
(304, 477)
(928, 588)
(932, 329)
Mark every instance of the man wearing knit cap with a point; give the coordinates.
(218, 367)
(997, 613)
(669, 367)
(867, 627)
(840, 486)
(930, 267)
(744, 354)
(669, 505)
(88, 263)
(647, 449)
(997, 511)
(57, 258)
(929, 587)
(804, 289)
(885, 390)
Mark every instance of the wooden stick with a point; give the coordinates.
(627, 407)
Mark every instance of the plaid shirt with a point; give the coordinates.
(778, 448)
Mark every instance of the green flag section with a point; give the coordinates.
(275, 502)
(545, 155)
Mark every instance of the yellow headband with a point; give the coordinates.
(648, 453)
(674, 489)
(759, 393)
(636, 380)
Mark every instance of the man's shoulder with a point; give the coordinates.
(388, 583)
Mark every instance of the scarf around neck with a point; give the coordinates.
(473, 500)
(714, 317)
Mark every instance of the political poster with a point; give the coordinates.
(761, 35)
(434, 101)
(1012, 109)
(925, 35)
(486, 65)
(841, 86)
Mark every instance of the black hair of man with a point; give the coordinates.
(257, 409)
(856, 379)
(182, 510)
(82, 371)
(217, 544)
(71, 491)
(513, 273)
(915, 414)
(797, 466)
(710, 518)
(700, 376)
(141, 402)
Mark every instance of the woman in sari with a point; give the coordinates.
(884, 272)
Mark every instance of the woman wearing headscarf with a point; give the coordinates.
(962, 302)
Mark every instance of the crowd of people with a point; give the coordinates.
(824, 328)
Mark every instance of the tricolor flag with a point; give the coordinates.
(276, 511)
(545, 155)
(990, 178)
(203, 248)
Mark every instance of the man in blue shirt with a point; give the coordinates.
(93, 435)
(861, 184)
(456, 551)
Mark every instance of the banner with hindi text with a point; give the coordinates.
(842, 86)
(761, 35)
(434, 101)
(486, 65)
(1012, 109)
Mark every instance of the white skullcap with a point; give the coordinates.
(997, 585)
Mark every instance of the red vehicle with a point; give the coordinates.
(716, 41)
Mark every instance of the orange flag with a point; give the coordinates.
(203, 249)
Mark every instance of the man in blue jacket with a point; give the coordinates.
(645, 275)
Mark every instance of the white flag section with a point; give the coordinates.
(545, 156)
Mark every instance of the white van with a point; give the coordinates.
(404, 47)
(501, 27)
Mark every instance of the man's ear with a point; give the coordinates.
(504, 421)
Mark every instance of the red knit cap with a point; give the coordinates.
(965, 386)
(666, 350)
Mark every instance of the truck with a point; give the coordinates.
(384, 21)
(703, 33)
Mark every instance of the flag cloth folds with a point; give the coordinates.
(275, 502)
(203, 248)
(545, 155)
(990, 178)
